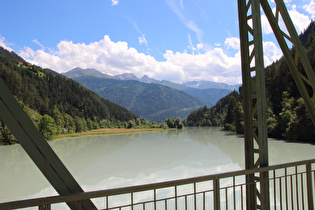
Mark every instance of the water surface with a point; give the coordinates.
(110, 161)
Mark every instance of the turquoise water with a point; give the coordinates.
(110, 161)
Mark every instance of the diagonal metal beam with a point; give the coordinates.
(299, 48)
(14, 117)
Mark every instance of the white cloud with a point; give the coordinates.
(27, 53)
(310, 8)
(190, 46)
(38, 43)
(117, 58)
(5, 44)
(213, 65)
(271, 53)
(300, 21)
(142, 40)
(115, 2)
(232, 42)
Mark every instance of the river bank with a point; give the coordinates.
(108, 131)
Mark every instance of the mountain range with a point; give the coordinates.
(149, 98)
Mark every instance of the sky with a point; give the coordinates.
(175, 40)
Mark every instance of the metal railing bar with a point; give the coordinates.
(309, 185)
(234, 202)
(280, 187)
(204, 201)
(131, 199)
(175, 196)
(291, 191)
(297, 188)
(274, 188)
(226, 199)
(168, 184)
(154, 199)
(302, 190)
(186, 202)
(195, 196)
(286, 188)
(216, 193)
(242, 197)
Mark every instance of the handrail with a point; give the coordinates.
(145, 187)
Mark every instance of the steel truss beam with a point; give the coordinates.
(254, 96)
(38, 149)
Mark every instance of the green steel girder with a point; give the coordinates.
(14, 117)
(255, 125)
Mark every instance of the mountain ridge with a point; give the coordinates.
(202, 84)
(207, 91)
(148, 100)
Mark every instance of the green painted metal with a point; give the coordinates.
(299, 49)
(254, 88)
(247, 103)
(38, 149)
(254, 95)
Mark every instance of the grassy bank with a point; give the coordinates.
(108, 131)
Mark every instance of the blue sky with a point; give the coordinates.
(176, 40)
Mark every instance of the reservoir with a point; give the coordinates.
(111, 161)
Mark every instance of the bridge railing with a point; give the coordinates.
(291, 187)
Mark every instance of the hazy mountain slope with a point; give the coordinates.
(208, 84)
(209, 95)
(149, 101)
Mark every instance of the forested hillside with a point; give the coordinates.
(205, 93)
(286, 113)
(55, 103)
(149, 101)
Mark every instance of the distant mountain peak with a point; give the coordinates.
(126, 76)
(79, 72)
(147, 79)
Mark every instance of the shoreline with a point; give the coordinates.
(104, 131)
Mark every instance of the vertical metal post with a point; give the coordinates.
(216, 193)
(309, 186)
(247, 103)
(261, 106)
(254, 88)
(254, 97)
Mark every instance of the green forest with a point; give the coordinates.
(58, 105)
(287, 117)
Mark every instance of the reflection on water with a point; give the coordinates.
(110, 161)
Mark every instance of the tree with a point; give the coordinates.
(131, 123)
(47, 127)
(6, 137)
(170, 123)
(286, 115)
(178, 123)
(238, 118)
(69, 125)
(301, 119)
(80, 124)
